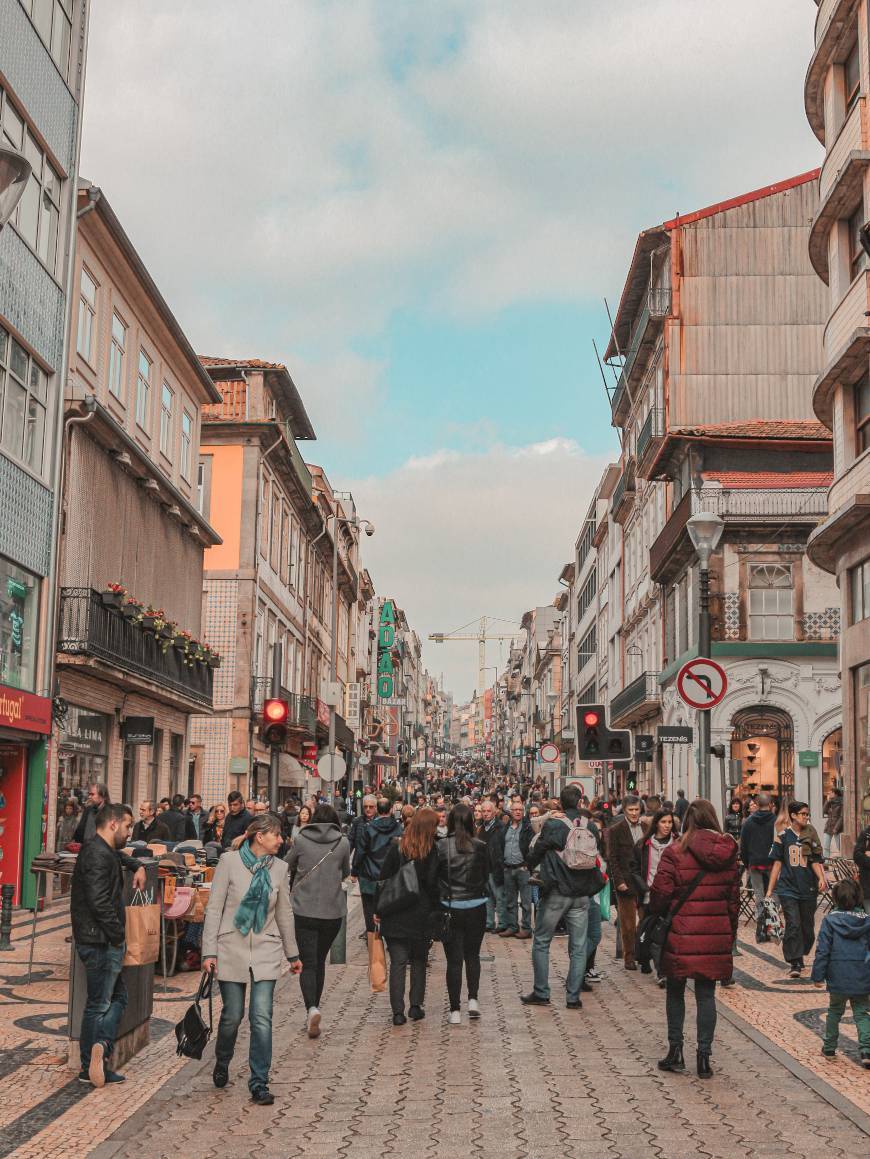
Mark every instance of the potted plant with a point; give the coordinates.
(211, 657)
(150, 617)
(181, 639)
(131, 609)
(113, 595)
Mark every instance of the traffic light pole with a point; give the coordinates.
(275, 751)
(704, 713)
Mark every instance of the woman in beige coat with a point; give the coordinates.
(247, 935)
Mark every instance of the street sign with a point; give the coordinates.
(330, 768)
(549, 752)
(808, 759)
(644, 744)
(702, 683)
(674, 734)
(138, 730)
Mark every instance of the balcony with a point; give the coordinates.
(88, 628)
(659, 301)
(845, 346)
(638, 700)
(643, 337)
(623, 494)
(303, 709)
(743, 507)
(650, 439)
(851, 138)
(835, 21)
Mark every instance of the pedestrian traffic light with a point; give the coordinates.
(631, 783)
(274, 726)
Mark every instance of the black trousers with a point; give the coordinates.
(314, 936)
(404, 953)
(467, 927)
(675, 1008)
(800, 927)
(368, 903)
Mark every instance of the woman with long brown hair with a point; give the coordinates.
(407, 930)
(697, 882)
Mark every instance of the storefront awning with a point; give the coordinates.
(291, 772)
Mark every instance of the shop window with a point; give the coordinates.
(19, 600)
(83, 747)
(771, 602)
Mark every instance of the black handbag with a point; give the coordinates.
(398, 892)
(652, 933)
(192, 1032)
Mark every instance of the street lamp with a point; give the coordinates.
(15, 172)
(705, 530)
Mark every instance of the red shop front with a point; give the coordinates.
(25, 726)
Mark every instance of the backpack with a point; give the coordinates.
(581, 848)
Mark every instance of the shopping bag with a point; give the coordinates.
(604, 902)
(377, 964)
(143, 931)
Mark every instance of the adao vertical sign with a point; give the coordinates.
(386, 640)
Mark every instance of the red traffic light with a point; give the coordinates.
(276, 718)
(590, 719)
(276, 711)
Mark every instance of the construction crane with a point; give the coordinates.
(482, 635)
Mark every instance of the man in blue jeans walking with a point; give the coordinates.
(565, 894)
(99, 931)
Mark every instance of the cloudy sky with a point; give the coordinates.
(418, 206)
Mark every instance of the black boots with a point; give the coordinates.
(704, 1071)
(673, 1060)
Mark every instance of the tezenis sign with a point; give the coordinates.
(386, 640)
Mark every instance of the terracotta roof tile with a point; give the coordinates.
(764, 480)
(254, 363)
(760, 429)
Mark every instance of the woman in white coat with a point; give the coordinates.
(247, 935)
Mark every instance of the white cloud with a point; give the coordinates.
(464, 535)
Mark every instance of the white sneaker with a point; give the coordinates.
(314, 1022)
(473, 1008)
(455, 1018)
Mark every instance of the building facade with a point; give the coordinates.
(42, 63)
(836, 95)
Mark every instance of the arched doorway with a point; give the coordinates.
(832, 756)
(763, 739)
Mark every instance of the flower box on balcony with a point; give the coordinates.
(113, 597)
(131, 610)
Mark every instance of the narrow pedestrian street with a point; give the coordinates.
(522, 1082)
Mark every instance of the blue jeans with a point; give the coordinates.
(106, 1000)
(517, 888)
(575, 911)
(495, 906)
(260, 1018)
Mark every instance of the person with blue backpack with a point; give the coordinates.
(843, 963)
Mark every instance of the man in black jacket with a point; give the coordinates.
(567, 895)
(237, 819)
(150, 827)
(179, 823)
(517, 887)
(370, 854)
(99, 931)
(491, 832)
(98, 796)
(756, 839)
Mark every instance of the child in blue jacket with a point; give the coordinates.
(843, 961)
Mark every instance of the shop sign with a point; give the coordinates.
(138, 730)
(238, 766)
(309, 756)
(23, 710)
(808, 759)
(386, 640)
(352, 705)
(85, 733)
(674, 734)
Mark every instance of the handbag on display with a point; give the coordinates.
(192, 1032)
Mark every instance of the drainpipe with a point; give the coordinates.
(94, 195)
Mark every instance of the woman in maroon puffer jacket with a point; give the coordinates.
(701, 938)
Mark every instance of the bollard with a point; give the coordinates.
(7, 892)
(338, 951)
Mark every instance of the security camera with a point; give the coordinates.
(370, 529)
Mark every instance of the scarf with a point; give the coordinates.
(254, 907)
(656, 849)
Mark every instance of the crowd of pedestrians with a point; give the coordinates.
(465, 861)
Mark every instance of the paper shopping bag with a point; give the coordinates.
(377, 964)
(143, 932)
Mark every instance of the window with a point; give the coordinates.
(852, 76)
(862, 414)
(23, 399)
(87, 315)
(186, 440)
(166, 400)
(586, 541)
(200, 487)
(19, 604)
(584, 600)
(116, 356)
(37, 216)
(588, 648)
(857, 255)
(771, 602)
(859, 592)
(52, 19)
(587, 696)
(143, 390)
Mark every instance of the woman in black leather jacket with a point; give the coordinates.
(463, 874)
(734, 818)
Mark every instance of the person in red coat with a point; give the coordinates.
(701, 938)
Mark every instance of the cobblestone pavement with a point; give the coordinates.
(522, 1082)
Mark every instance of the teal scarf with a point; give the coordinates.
(254, 908)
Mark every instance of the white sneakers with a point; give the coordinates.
(473, 1008)
(314, 1022)
(455, 1018)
